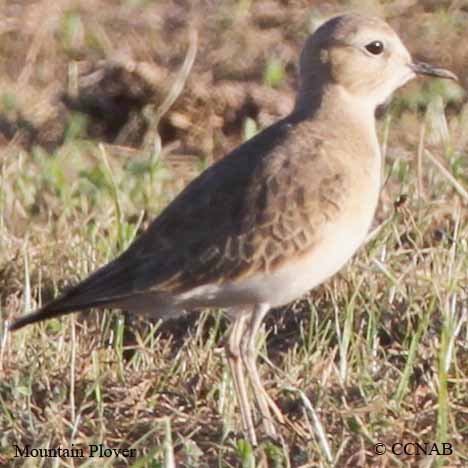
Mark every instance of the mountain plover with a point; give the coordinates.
(274, 218)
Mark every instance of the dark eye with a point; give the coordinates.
(375, 47)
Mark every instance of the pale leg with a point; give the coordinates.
(248, 353)
(233, 353)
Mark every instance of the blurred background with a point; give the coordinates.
(107, 109)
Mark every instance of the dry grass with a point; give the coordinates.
(378, 354)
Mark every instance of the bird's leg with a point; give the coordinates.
(249, 354)
(233, 353)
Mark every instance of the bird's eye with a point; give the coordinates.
(375, 47)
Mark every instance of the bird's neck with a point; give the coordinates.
(333, 107)
(333, 102)
(346, 119)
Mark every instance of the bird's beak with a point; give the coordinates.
(421, 68)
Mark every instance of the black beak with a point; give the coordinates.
(421, 68)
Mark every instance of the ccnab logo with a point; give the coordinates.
(422, 448)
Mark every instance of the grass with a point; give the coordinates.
(378, 354)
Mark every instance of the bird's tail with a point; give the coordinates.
(58, 307)
(103, 287)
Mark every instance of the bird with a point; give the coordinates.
(275, 217)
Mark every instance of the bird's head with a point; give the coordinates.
(363, 55)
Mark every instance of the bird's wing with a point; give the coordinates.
(248, 213)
